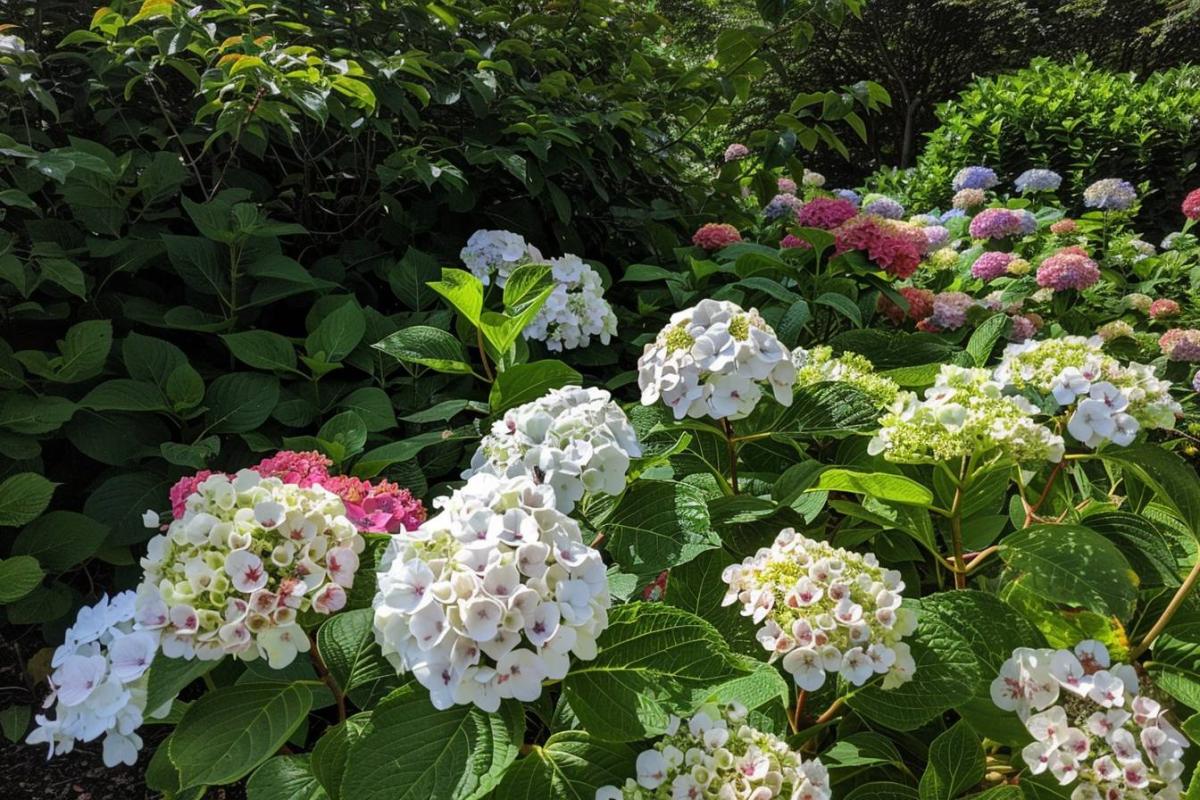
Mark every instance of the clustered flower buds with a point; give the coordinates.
(1111, 401)
(711, 359)
(964, 412)
(493, 255)
(825, 610)
(248, 554)
(717, 754)
(818, 365)
(490, 597)
(575, 440)
(1091, 726)
(99, 683)
(576, 309)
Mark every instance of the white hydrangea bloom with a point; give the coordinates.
(575, 440)
(964, 412)
(825, 610)
(1107, 401)
(98, 685)
(1090, 724)
(247, 556)
(712, 359)
(717, 754)
(576, 309)
(493, 255)
(491, 597)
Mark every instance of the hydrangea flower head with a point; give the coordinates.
(786, 185)
(379, 507)
(1191, 205)
(814, 179)
(884, 242)
(715, 235)
(949, 310)
(491, 596)
(289, 466)
(1064, 227)
(718, 754)
(184, 488)
(936, 237)
(736, 152)
(98, 685)
(1037, 180)
(849, 195)
(1164, 308)
(943, 258)
(1117, 329)
(1091, 725)
(974, 178)
(783, 205)
(1067, 270)
(1110, 194)
(965, 412)
(794, 242)
(711, 360)
(920, 305)
(818, 365)
(231, 574)
(991, 265)
(1138, 301)
(493, 255)
(826, 213)
(966, 199)
(886, 207)
(575, 440)
(824, 609)
(1024, 327)
(953, 213)
(996, 223)
(1180, 344)
(576, 309)
(1019, 266)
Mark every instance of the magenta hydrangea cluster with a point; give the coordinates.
(996, 223)
(991, 265)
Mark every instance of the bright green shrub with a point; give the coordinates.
(1080, 121)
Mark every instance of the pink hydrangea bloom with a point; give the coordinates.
(1023, 327)
(381, 507)
(1180, 344)
(935, 236)
(1191, 204)
(736, 152)
(1064, 226)
(1067, 270)
(995, 223)
(892, 248)
(826, 213)
(1163, 308)
(786, 185)
(950, 310)
(792, 241)
(920, 305)
(302, 469)
(184, 488)
(991, 265)
(715, 235)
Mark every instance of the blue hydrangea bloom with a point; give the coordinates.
(1037, 180)
(975, 178)
(1110, 194)
(782, 205)
(1029, 223)
(848, 194)
(953, 213)
(884, 207)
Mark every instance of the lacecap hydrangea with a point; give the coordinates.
(712, 360)
(717, 754)
(573, 439)
(493, 255)
(824, 610)
(818, 365)
(98, 683)
(1091, 726)
(1108, 401)
(576, 309)
(247, 556)
(491, 596)
(965, 412)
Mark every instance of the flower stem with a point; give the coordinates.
(831, 712)
(327, 679)
(1180, 595)
(1032, 510)
(797, 710)
(731, 446)
(487, 368)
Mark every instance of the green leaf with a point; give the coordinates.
(14, 721)
(262, 350)
(19, 575)
(60, 539)
(167, 677)
(984, 339)
(240, 401)
(338, 333)
(120, 501)
(1171, 478)
(825, 409)
(347, 645)
(570, 766)
(1176, 663)
(285, 778)
(123, 394)
(412, 751)
(842, 305)
(657, 525)
(23, 497)
(373, 407)
(651, 659)
(347, 430)
(463, 291)
(879, 485)
(410, 278)
(525, 284)
(1073, 565)
(882, 790)
(227, 733)
(333, 748)
(956, 762)
(523, 383)
(82, 353)
(697, 587)
(427, 346)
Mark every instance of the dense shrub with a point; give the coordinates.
(1080, 121)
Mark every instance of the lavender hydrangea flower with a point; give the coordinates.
(1196, 382)
(975, 178)
(782, 205)
(736, 152)
(885, 207)
(1038, 180)
(1029, 223)
(848, 194)
(953, 213)
(1110, 194)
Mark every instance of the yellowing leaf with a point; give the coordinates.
(152, 9)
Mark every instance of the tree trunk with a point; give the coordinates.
(906, 147)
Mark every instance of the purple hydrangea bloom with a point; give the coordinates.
(1038, 180)
(884, 207)
(1196, 382)
(848, 194)
(1029, 223)
(953, 213)
(935, 236)
(1110, 194)
(782, 205)
(995, 223)
(991, 265)
(950, 310)
(975, 178)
